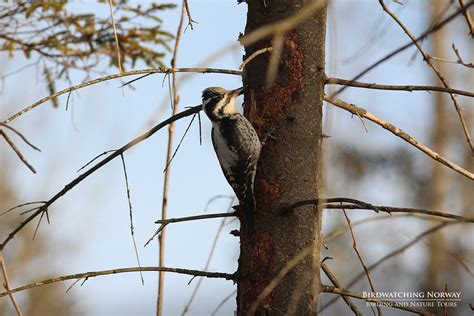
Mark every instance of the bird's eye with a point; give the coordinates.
(208, 95)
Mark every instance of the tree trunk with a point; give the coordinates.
(438, 187)
(289, 169)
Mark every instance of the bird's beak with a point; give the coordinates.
(237, 92)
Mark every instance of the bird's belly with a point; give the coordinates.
(227, 157)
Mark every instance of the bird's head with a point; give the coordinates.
(218, 102)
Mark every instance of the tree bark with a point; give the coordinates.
(290, 165)
(438, 186)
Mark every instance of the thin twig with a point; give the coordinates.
(67, 100)
(171, 128)
(116, 76)
(228, 297)
(188, 13)
(326, 204)
(43, 211)
(391, 209)
(398, 132)
(343, 229)
(215, 198)
(200, 129)
(337, 284)
(72, 285)
(129, 199)
(155, 234)
(117, 45)
(356, 249)
(445, 83)
(459, 62)
(468, 18)
(458, 55)
(31, 210)
(86, 275)
(388, 303)
(17, 151)
(390, 55)
(7, 286)
(180, 142)
(95, 158)
(409, 88)
(195, 218)
(209, 258)
(324, 201)
(359, 205)
(139, 78)
(21, 136)
(187, 219)
(21, 205)
(393, 254)
(97, 166)
(254, 54)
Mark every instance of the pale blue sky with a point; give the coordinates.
(92, 220)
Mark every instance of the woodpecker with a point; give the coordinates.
(236, 144)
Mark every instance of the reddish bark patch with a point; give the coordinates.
(254, 269)
(267, 108)
(269, 191)
(271, 105)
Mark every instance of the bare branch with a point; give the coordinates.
(195, 218)
(254, 54)
(209, 258)
(337, 284)
(21, 205)
(393, 254)
(165, 222)
(95, 158)
(17, 151)
(426, 58)
(96, 167)
(409, 88)
(114, 27)
(398, 132)
(169, 153)
(20, 135)
(180, 141)
(390, 209)
(360, 205)
(116, 76)
(468, 18)
(130, 209)
(425, 34)
(343, 229)
(459, 62)
(326, 203)
(356, 249)
(155, 234)
(85, 275)
(188, 13)
(7, 286)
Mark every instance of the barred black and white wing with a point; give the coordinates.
(238, 148)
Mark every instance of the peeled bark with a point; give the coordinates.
(289, 169)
